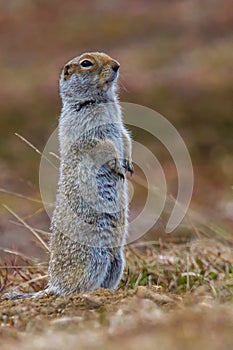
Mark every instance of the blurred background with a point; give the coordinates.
(176, 58)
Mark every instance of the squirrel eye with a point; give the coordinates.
(86, 63)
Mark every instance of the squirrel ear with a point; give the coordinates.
(69, 69)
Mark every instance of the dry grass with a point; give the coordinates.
(172, 297)
(200, 265)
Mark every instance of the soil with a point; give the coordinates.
(142, 318)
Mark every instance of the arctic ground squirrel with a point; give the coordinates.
(89, 223)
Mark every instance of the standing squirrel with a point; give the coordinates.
(89, 223)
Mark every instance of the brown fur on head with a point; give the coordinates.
(97, 67)
(90, 76)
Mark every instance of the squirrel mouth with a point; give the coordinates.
(111, 77)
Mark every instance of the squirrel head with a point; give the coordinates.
(92, 75)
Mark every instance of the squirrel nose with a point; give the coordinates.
(115, 66)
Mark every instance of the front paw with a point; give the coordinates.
(116, 167)
(128, 166)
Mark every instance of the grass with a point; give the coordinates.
(175, 296)
(184, 268)
(169, 293)
(202, 264)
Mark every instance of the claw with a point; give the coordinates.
(128, 166)
(115, 166)
(121, 176)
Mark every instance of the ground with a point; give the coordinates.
(141, 318)
(171, 297)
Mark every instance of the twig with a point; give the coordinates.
(4, 281)
(28, 227)
(30, 281)
(54, 155)
(138, 280)
(21, 255)
(22, 266)
(29, 216)
(21, 196)
(146, 243)
(35, 149)
(36, 229)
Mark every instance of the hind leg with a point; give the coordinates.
(84, 275)
(95, 271)
(114, 271)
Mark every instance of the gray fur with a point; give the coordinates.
(89, 223)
